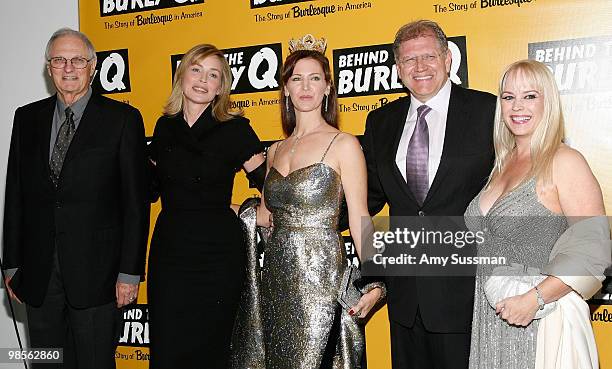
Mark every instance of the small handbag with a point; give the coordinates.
(512, 280)
(349, 294)
(354, 285)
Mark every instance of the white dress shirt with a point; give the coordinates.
(436, 124)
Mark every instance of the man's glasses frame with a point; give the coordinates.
(59, 62)
(425, 59)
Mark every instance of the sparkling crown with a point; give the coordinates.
(308, 42)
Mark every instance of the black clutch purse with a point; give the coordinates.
(349, 293)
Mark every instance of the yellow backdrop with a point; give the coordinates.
(137, 39)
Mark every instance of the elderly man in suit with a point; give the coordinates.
(428, 154)
(76, 213)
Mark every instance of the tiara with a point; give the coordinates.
(308, 42)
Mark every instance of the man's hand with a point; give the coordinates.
(126, 293)
(10, 290)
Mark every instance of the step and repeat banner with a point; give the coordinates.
(140, 42)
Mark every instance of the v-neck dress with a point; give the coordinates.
(521, 229)
(197, 256)
(304, 326)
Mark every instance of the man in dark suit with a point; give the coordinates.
(76, 215)
(428, 154)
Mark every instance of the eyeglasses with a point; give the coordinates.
(59, 62)
(426, 59)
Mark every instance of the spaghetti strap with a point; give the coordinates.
(275, 151)
(328, 146)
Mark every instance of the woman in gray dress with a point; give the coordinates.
(538, 183)
(308, 174)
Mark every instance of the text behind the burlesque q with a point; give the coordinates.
(112, 72)
(601, 320)
(266, 3)
(148, 13)
(351, 253)
(135, 330)
(371, 70)
(115, 7)
(306, 10)
(579, 65)
(254, 68)
(457, 6)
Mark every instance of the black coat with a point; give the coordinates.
(98, 216)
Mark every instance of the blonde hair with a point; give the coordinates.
(221, 106)
(549, 132)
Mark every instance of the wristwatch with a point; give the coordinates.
(540, 298)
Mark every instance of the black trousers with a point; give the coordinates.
(88, 337)
(416, 348)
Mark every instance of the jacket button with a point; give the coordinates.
(197, 179)
(421, 213)
(58, 205)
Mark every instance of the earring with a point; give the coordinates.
(287, 103)
(326, 99)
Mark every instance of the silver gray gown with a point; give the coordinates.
(520, 228)
(304, 326)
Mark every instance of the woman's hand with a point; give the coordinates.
(366, 303)
(264, 217)
(518, 310)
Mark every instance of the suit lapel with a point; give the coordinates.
(397, 122)
(457, 117)
(45, 122)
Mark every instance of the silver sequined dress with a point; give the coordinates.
(304, 326)
(521, 229)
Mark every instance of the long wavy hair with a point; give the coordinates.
(288, 115)
(549, 132)
(221, 106)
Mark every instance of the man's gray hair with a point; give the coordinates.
(417, 29)
(70, 32)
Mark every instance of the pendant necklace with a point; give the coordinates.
(295, 142)
(297, 139)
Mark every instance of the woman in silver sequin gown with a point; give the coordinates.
(523, 211)
(520, 228)
(304, 325)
